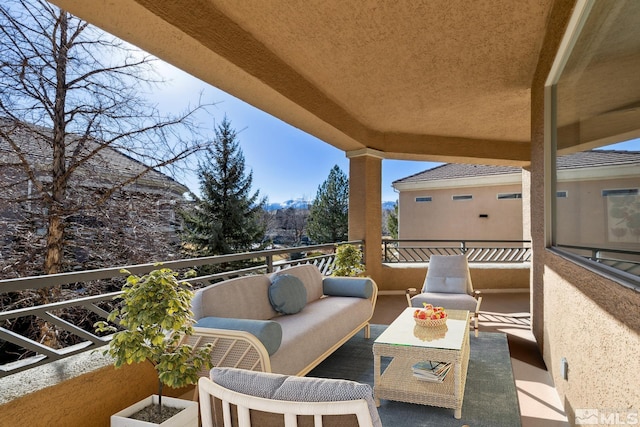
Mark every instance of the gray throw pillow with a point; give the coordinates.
(287, 294)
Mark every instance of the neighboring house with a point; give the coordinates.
(476, 202)
(461, 201)
(135, 224)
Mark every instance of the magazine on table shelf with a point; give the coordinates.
(431, 371)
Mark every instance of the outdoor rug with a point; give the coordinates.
(490, 398)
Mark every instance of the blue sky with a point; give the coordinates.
(287, 163)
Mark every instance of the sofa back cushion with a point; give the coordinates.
(243, 297)
(309, 275)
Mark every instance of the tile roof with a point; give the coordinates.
(593, 158)
(458, 170)
(583, 159)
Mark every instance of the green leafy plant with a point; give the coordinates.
(156, 316)
(348, 261)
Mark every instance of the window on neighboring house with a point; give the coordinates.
(595, 142)
(506, 196)
(166, 211)
(462, 197)
(620, 192)
(423, 199)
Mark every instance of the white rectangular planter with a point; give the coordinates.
(186, 418)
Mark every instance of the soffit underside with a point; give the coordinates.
(451, 68)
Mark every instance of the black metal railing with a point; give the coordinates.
(39, 354)
(489, 251)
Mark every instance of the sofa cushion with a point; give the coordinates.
(309, 275)
(287, 294)
(447, 285)
(348, 287)
(242, 297)
(317, 328)
(295, 389)
(268, 332)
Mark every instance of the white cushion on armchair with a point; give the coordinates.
(448, 301)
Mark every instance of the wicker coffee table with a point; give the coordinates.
(407, 344)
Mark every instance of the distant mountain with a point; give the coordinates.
(388, 205)
(296, 204)
(306, 204)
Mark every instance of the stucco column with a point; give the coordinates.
(365, 207)
(539, 174)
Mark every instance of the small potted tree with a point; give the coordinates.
(348, 261)
(155, 316)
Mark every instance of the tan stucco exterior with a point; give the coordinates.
(595, 228)
(365, 215)
(446, 80)
(594, 324)
(445, 218)
(581, 214)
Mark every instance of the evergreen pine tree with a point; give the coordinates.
(329, 214)
(226, 219)
(392, 222)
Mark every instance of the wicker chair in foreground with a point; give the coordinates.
(448, 284)
(242, 398)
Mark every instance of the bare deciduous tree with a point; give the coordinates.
(84, 92)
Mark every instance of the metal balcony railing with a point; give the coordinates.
(490, 251)
(40, 354)
(627, 261)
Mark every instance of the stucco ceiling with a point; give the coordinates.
(430, 80)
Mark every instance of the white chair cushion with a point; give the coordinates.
(450, 266)
(447, 285)
(448, 301)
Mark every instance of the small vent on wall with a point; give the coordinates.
(507, 196)
(423, 199)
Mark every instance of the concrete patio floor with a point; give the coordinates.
(509, 313)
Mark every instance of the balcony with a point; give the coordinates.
(78, 367)
(436, 83)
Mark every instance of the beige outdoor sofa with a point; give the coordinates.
(239, 318)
